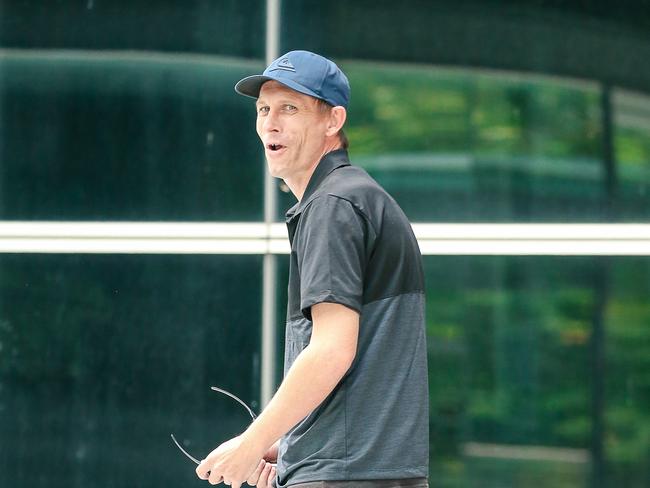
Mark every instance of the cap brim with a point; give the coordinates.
(251, 86)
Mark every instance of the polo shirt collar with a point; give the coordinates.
(329, 162)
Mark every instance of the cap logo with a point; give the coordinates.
(284, 64)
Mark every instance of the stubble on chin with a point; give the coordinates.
(274, 170)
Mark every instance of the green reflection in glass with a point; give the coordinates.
(470, 145)
(632, 153)
(101, 357)
(536, 365)
(627, 385)
(127, 136)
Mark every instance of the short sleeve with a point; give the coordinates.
(330, 249)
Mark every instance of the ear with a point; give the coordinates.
(336, 120)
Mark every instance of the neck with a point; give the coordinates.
(298, 183)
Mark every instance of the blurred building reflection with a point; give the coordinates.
(467, 112)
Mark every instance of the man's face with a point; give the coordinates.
(292, 129)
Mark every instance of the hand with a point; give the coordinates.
(231, 463)
(263, 476)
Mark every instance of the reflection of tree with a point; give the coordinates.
(469, 146)
(627, 418)
(509, 351)
(433, 110)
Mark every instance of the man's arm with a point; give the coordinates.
(315, 373)
(312, 377)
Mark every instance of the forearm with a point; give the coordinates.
(312, 377)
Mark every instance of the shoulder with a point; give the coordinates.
(331, 213)
(327, 206)
(355, 186)
(349, 181)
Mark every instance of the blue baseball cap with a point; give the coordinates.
(305, 72)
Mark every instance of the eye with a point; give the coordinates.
(262, 110)
(290, 108)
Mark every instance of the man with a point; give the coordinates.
(352, 410)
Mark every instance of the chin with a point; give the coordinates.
(275, 171)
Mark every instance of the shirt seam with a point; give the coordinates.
(416, 291)
(332, 475)
(357, 209)
(346, 300)
(363, 304)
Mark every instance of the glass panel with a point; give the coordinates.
(231, 27)
(103, 357)
(470, 146)
(282, 287)
(476, 113)
(588, 40)
(632, 153)
(465, 145)
(111, 121)
(537, 371)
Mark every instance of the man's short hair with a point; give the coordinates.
(325, 107)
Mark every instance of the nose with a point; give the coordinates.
(270, 122)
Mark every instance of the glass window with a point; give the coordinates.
(536, 370)
(229, 27)
(632, 154)
(129, 120)
(588, 40)
(476, 113)
(472, 146)
(282, 287)
(102, 357)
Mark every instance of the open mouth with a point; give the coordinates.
(274, 147)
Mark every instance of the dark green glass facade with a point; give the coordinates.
(539, 351)
(103, 357)
(467, 112)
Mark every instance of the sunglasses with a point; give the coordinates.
(231, 395)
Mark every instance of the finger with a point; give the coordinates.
(252, 479)
(264, 476)
(202, 470)
(270, 482)
(215, 478)
(261, 483)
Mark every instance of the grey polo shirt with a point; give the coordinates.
(351, 244)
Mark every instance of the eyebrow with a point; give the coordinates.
(296, 102)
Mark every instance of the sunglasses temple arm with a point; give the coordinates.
(237, 399)
(184, 451)
(227, 393)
